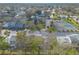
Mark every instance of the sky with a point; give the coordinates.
(39, 1)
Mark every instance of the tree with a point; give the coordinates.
(40, 26)
(7, 33)
(21, 40)
(51, 29)
(36, 44)
(3, 44)
(54, 47)
(71, 51)
(30, 44)
(31, 12)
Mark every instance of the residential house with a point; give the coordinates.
(63, 40)
(63, 16)
(69, 39)
(14, 25)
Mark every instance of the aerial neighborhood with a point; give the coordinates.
(39, 29)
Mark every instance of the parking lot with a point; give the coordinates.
(61, 25)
